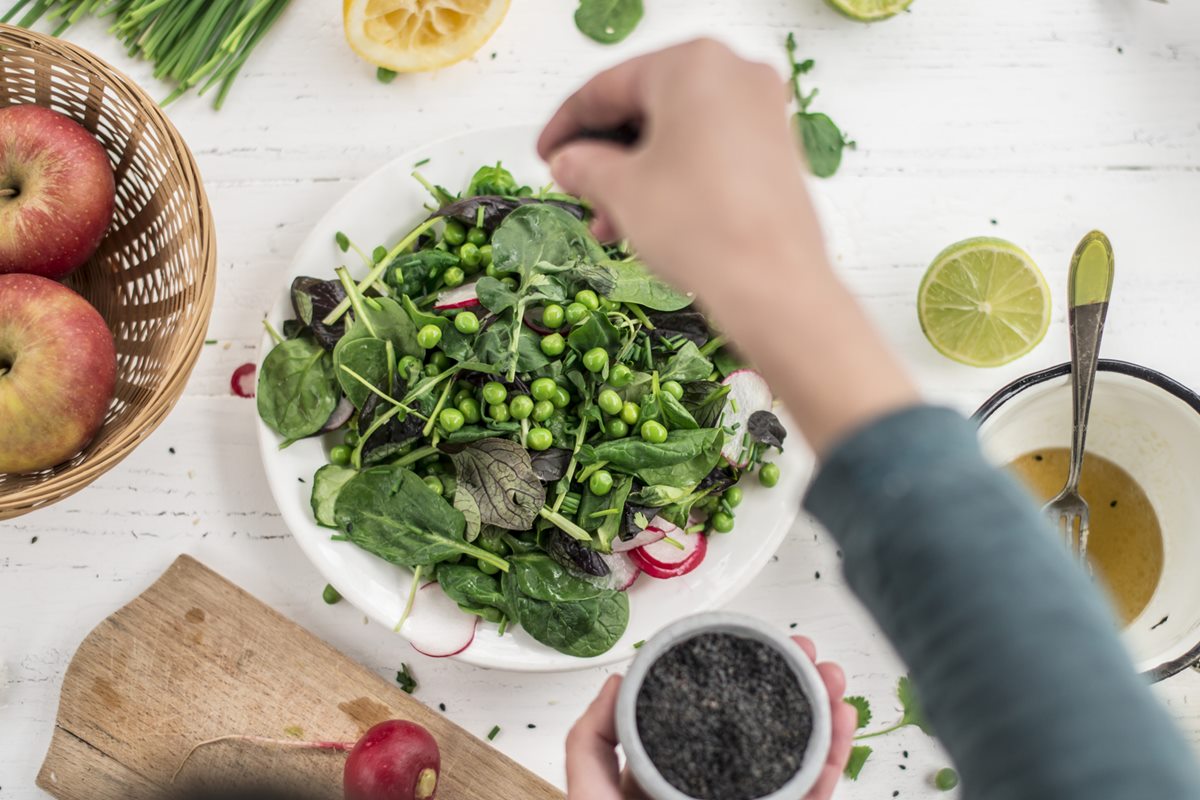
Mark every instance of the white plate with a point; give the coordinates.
(380, 210)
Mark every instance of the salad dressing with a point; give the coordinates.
(1125, 543)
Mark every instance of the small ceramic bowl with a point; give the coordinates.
(642, 769)
(1148, 424)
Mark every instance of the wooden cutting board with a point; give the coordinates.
(195, 657)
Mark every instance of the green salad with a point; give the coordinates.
(518, 412)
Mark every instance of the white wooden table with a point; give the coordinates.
(1034, 120)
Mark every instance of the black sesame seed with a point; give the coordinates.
(441, 706)
(1113, 504)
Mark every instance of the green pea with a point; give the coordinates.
(466, 322)
(429, 336)
(477, 237)
(494, 392)
(340, 455)
(673, 388)
(435, 483)
(525, 191)
(610, 402)
(454, 234)
(733, 496)
(769, 475)
(562, 398)
(492, 272)
(539, 439)
(439, 361)
(588, 299)
(453, 276)
(601, 483)
(486, 567)
(946, 779)
(520, 407)
(543, 388)
(616, 428)
(469, 407)
(451, 419)
(654, 432)
(542, 410)
(485, 255)
(595, 360)
(620, 376)
(553, 316)
(630, 413)
(351, 438)
(553, 344)
(576, 313)
(509, 283)
(460, 395)
(469, 254)
(331, 595)
(431, 370)
(609, 305)
(498, 412)
(721, 522)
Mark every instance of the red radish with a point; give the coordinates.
(395, 760)
(436, 626)
(664, 560)
(655, 531)
(242, 381)
(623, 571)
(748, 392)
(459, 297)
(340, 416)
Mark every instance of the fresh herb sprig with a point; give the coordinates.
(911, 714)
(193, 45)
(823, 140)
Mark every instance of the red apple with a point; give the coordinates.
(58, 370)
(56, 192)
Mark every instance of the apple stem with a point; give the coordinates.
(8, 193)
(340, 747)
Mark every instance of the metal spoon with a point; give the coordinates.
(1089, 291)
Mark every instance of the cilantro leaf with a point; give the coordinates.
(863, 707)
(914, 714)
(408, 683)
(858, 757)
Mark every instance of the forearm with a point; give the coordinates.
(1012, 651)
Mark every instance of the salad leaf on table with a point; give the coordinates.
(823, 140)
(608, 21)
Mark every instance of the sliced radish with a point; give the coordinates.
(664, 560)
(623, 571)
(459, 297)
(748, 392)
(436, 626)
(340, 416)
(242, 382)
(655, 531)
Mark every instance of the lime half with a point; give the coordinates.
(984, 302)
(870, 10)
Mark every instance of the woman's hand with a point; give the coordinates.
(713, 198)
(592, 769)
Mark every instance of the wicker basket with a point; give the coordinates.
(154, 275)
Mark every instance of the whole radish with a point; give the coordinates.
(395, 760)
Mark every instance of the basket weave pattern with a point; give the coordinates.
(154, 276)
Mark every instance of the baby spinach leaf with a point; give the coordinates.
(608, 21)
(765, 427)
(498, 474)
(494, 295)
(537, 235)
(595, 331)
(366, 357)
(823, 142)
(417, 274)
(297, 390)
(632, 455)
(495, 346)
(456, 345)
(661, 495)
(687, 364)
(391, 323)
(327, 484)
(636, 284)
(584, 628)
(422, 318)
(705, 400)
(674, 413)
(539, 576)
(610, 527)
(686, 473)
(727, 363)
(390, 512)
(469, 587)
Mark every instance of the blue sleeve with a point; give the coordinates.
(1012, 650)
